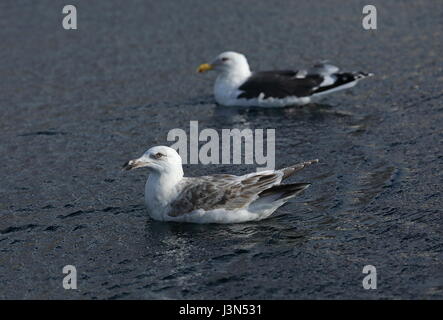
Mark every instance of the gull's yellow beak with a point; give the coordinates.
(204, 67)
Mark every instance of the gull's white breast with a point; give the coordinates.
(158, 196)
(226, 90)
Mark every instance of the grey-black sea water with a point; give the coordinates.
(76, 104)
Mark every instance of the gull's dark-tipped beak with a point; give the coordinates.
(128, 165)
(133, 164)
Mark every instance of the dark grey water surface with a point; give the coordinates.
(77, 104)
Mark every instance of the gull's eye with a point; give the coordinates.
(158, 155)
(224, 59)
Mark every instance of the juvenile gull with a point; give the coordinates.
(219, 198)
(236, 85)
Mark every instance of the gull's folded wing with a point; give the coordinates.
(222, 191)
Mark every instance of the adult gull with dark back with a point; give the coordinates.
(237, 85)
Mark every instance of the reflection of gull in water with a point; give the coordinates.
(236, 85)
(220, 198)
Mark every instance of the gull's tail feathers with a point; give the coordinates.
(283, 191)
(289, 171)
(340, 81)
(361, 75)
(271, 199)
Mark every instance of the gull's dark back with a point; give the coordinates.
(302, 83)
(279, 84)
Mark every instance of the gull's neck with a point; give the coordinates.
(227, 83)
(164, 181)
(161, 189)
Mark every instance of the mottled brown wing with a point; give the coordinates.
(222, 191)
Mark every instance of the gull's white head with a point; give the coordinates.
(228, 62)
(159, 159)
